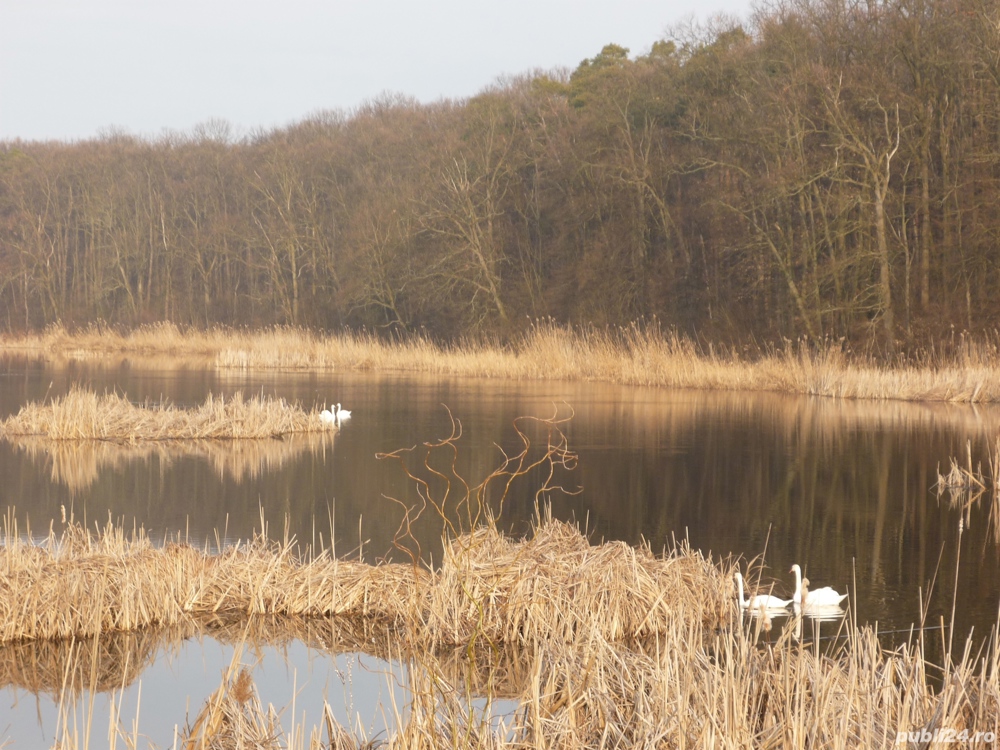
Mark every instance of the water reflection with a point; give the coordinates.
(77, 464)
(841, 487)
(298, 666)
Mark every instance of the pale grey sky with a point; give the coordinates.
(70, 68)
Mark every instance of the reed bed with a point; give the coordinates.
(602, 645)
(83, 414)
(613, 646)
(690, 684)
(631, 355)
(81, 583)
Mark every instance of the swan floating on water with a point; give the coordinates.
(825, 597)
(327, 417)
(760, 601)
(826, 613)
(335, 417)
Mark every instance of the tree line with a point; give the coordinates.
(828, 168)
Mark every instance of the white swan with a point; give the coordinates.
(327, 417)
(827, 613)
(761, 601)
(341, 415)
(824, 597)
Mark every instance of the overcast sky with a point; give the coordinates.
(71, 68)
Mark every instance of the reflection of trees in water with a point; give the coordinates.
(78, 464)
(765, 461)
(842, 487)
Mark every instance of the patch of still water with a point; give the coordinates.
(157, 685)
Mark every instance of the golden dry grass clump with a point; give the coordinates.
(233, 717)
(82, 414)
(557, 586)
(81, 583)
(553, 586)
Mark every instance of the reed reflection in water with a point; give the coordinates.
(77, 464)
(165, 676)
(844, 488)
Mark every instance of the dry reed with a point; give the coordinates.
(84, 415)
(667, 693)
(632, 355)
(233, 717)
(82, 583)
(965, 486)
(571, 610)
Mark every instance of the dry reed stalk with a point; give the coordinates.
(631, 355)
(82, 583)
(582, 678)
(965, 486)
(84, 415)
(233, 718)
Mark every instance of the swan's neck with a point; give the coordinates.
(739, 583)
(797, 597)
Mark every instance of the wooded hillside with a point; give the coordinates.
(830, 169)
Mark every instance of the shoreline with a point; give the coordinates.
(630, 355)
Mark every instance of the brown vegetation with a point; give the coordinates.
(610, 642)
(84, 415)
(965, 486)
(634, 355)
(81, 583)
(602, 645)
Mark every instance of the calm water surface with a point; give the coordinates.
(842, 488)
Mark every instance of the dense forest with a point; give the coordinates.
(828, 168)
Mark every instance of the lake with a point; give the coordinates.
(843, 488)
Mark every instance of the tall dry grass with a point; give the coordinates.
(81, 583)
(583, 678)
(632, 355)
(83, 414)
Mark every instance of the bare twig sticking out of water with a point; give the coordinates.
(966, 485)
(461, 506)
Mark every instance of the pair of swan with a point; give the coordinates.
(824, 598)
(336, 417)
